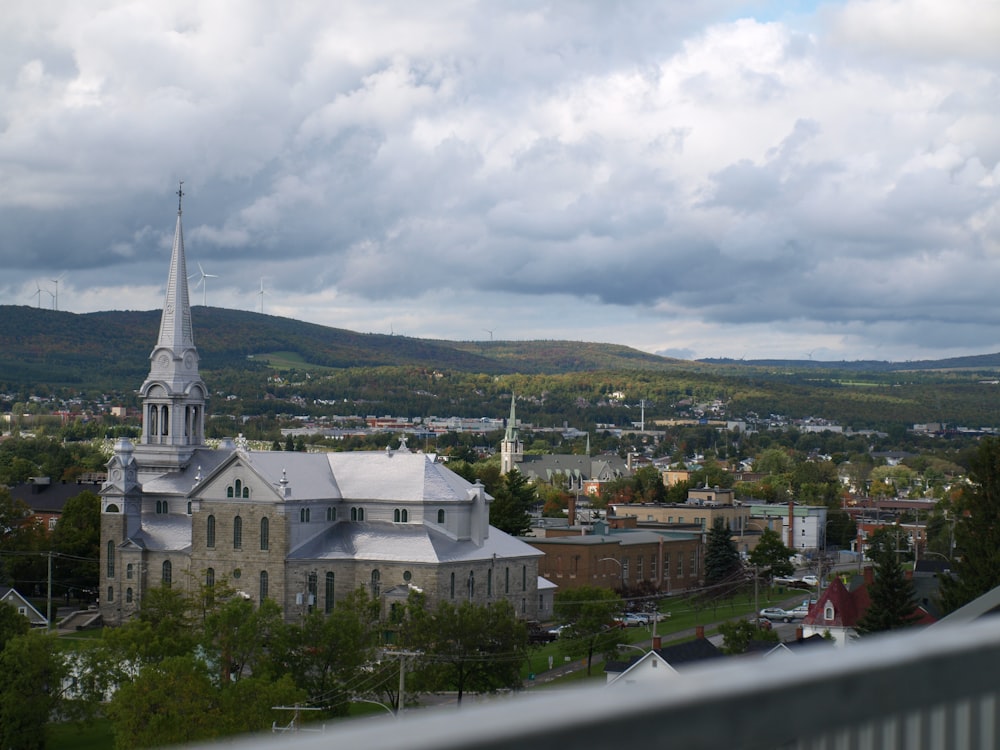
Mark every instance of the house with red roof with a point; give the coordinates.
(838, 611)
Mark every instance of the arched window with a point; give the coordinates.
(265, 533)
(404, 515)
(524, 578)
(246, 490)
(237, 532)
(361, 514)
(489, 582)
(328, 593)
(238, 488)
(229, 491)
(441, 515)
(311, 586)
(154, 412)
(452, 587)
(506, 580)
(111, 593)
(128, 595)
(189, 507)
(210, 577)
(167, 575)
(210, 531)
(376, 583)
(331, 513)
(471, 583)
(128, 571)
(354, 514)
(111, 559)
(395, 515)
(263, 585)
(163, 420)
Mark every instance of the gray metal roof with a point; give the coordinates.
(164, 533)
(203, 461)
(417, 543)
(397, 476)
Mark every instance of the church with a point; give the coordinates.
(303, 529)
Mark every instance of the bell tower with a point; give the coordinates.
(173, 395)
(511, 449)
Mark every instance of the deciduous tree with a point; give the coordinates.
(589, 613)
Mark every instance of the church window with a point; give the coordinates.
(524, 578)
(153, 414)
(361, 514)
(111, 593)
(441, 515)
(471, 583)
(238, 488)
(163, 420)
(263, 585)
(189, 508)
(246, 491)
(168, 574)
(128, 571)
(400, 516)
(265, 533)
(112, 508)
(210, 577)
(376, 583)
(329, 593)
(111, 559)
(229, 491)
(506, 580)
(304, 515)
(237, 533)
(395, 515)
(354, 514)
(311, 586)
(489, 582)
(128, 595)
(452, 585)
(210, 531)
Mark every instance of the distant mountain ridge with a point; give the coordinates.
(63, 348)
(39, 346)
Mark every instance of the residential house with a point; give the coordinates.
(19, 602)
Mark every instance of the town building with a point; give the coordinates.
(303, 529)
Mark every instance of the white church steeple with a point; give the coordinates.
(511, 450)
(174, 395)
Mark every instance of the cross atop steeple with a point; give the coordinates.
(180, 194)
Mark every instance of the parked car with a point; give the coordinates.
(760, 622)
(799, 612)
(810, 580)
(557, 630)
(775, 613)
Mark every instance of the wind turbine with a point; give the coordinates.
(261, 294)
(489, 332)
(38, 293)
(204, 286)
(55, 297)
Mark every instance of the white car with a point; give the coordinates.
(810, 580)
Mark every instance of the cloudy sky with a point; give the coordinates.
(711, 178)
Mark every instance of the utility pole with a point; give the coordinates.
(48, 610)
(401, 655)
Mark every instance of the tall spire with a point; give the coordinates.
(173, 394)
(511, 451)
(175, 324)
(511, 432)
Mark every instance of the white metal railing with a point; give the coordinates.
(933, 688)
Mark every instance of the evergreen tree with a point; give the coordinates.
(722, 558)
(511, 503)
(977, 531)
(893, 600)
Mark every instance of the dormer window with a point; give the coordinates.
(400, 516)
(331, 513)
(357, 514)
(441, 516)
(828, 613)
(304, 515)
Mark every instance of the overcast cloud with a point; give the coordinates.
(721, 178)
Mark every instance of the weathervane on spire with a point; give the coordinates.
(180, 194)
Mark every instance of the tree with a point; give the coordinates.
(512, 502)
(77, 539)
(737, 635)
(325, 652)
(771, 556)
(976, 531)
(30, 687)
(469, 647)
(722, 558)
(12, 624)
(589, 613)
(893, 599)
(237, 634)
